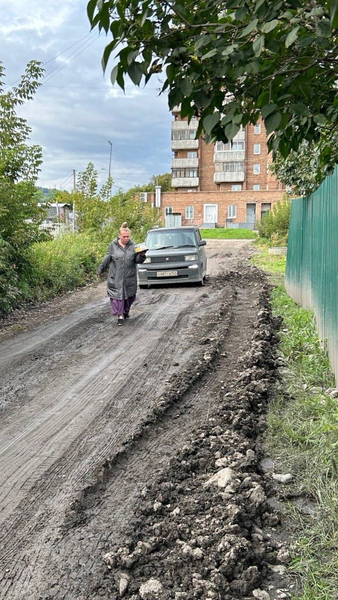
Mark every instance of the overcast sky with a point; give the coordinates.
(77, 110)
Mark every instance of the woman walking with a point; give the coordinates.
(122, 279)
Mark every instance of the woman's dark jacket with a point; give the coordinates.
(122, 278)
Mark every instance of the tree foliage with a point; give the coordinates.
(303, 171)
(232, 61)
(20, 214)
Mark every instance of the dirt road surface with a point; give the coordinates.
(130, 458)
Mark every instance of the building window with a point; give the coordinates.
(183, 134)
(232, 211)
(256, 169)
(257, 148)
(257, 128)
(265, 208)
(189, 212)
(233, 167)
(192, 154)
(168, 210)
(182, 173)
(230, 146)
(236, 188)
(256, 187)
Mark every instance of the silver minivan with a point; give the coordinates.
(175, 255)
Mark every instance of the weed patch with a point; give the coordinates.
(302, 435)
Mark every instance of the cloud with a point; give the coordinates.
(76, 111)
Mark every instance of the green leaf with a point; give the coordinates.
(258, 45)
(238, 118)
(267, 27)
(186, 109)
(320, 119)
(106, 54)
(186, 86)
(291, 37)
(272, 122)
(300, 109)
(120, 78)
(210, 121)
(334, 14)
(268, 109)
(249, 28)
(262, 99)
(209, 54)
(202, 41)
(175, 97)
(145, 16)
(202, 100)
(241, 13)
(131, 56)
(229, 50)
(135, 72)
(113, 74)
(231, 130)
(91, 9)
(324, 28)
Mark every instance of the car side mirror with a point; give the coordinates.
(202, 243)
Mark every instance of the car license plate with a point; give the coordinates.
(167, 274)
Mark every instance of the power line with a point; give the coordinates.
(69, 47)
(90, 34)
(66, 62)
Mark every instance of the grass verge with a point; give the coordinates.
(220, 233)
(302, 436)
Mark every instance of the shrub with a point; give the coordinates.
(63, 264)
(274, 226)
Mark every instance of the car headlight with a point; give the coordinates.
(147, 260)
(191, 257)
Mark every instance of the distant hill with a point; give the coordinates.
(47, 191)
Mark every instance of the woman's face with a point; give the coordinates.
(124, 236)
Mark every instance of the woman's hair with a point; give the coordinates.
(124, 227)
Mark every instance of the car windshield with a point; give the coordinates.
(159, 239)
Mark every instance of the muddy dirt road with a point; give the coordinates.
(109, 439)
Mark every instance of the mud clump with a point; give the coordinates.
(202, 529)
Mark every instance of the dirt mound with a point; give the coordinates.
(203, 528)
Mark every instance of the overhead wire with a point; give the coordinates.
(88, 35)
(67, 60)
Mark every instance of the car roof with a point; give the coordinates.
(183, 228)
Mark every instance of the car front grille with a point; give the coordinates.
(168, 259)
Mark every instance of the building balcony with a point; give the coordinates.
(229, 177)
(184, 144)
(179, 125)
(179, 163)
(178, 182)
(229, 156)
(240, 136)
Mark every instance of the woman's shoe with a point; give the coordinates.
(120, 321)
(126, 315)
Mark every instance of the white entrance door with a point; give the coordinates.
(210, 213)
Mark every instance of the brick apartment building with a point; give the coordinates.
(225, 185)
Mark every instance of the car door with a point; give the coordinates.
(201, 253)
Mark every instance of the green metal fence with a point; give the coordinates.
(312, 260)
